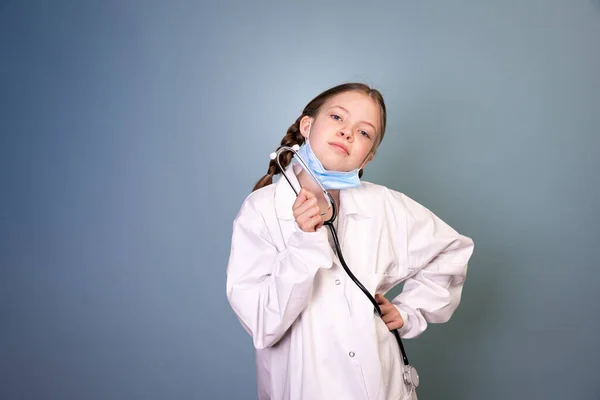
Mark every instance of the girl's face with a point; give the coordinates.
(344, 131)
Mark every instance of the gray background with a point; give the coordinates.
(131, 131)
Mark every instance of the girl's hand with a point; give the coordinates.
(389, 313)
(306, 211)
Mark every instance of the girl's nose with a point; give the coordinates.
(345, 134)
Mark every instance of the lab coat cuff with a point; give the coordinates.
(313, 246)
(320, 236)
(406, 326)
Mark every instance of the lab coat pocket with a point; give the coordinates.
(391, 363)
(358, 301)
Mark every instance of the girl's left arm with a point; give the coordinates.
(437, 257)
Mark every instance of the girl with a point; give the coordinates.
(315, 333)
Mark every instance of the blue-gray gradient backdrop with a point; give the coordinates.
(131, 132)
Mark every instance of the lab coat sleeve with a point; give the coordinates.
(267, 288)
(437, 257)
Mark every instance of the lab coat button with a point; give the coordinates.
(337, 281)
(351, 354)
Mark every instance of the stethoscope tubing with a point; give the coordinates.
(329, 224)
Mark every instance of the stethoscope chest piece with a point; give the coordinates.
(411, 377)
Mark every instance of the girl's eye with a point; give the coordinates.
(365, 134)
(336, 117)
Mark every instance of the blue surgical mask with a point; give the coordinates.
(331, 180)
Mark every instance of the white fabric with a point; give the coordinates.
(315, 333)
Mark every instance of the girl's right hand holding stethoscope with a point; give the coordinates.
(307, 212)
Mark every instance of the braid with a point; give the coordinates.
(292, 137)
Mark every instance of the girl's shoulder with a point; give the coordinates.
(383, 197)
(260, 199)
(262, 195)
(376, 193)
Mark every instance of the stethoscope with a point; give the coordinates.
(410, 375)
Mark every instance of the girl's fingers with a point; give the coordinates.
(389, 312)
(299, 203)
(380, 298)
(395, 325)
(307, 210)
(306, 194)
(387, 318)
(310, 224)
(315, 222)
(307, 215)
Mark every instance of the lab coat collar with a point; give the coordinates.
(353, 200)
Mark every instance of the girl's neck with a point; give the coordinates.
(306, 181)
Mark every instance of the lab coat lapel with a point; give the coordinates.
(355, 219)
(356, 231)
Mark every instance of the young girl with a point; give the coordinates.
(315, 332)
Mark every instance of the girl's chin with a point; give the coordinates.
(335, 167)
(332, 163)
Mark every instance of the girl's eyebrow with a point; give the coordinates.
(348, 112)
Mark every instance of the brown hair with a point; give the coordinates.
(293, 135)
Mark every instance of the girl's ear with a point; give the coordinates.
(305, 124)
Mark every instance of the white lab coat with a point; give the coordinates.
(315, 332)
